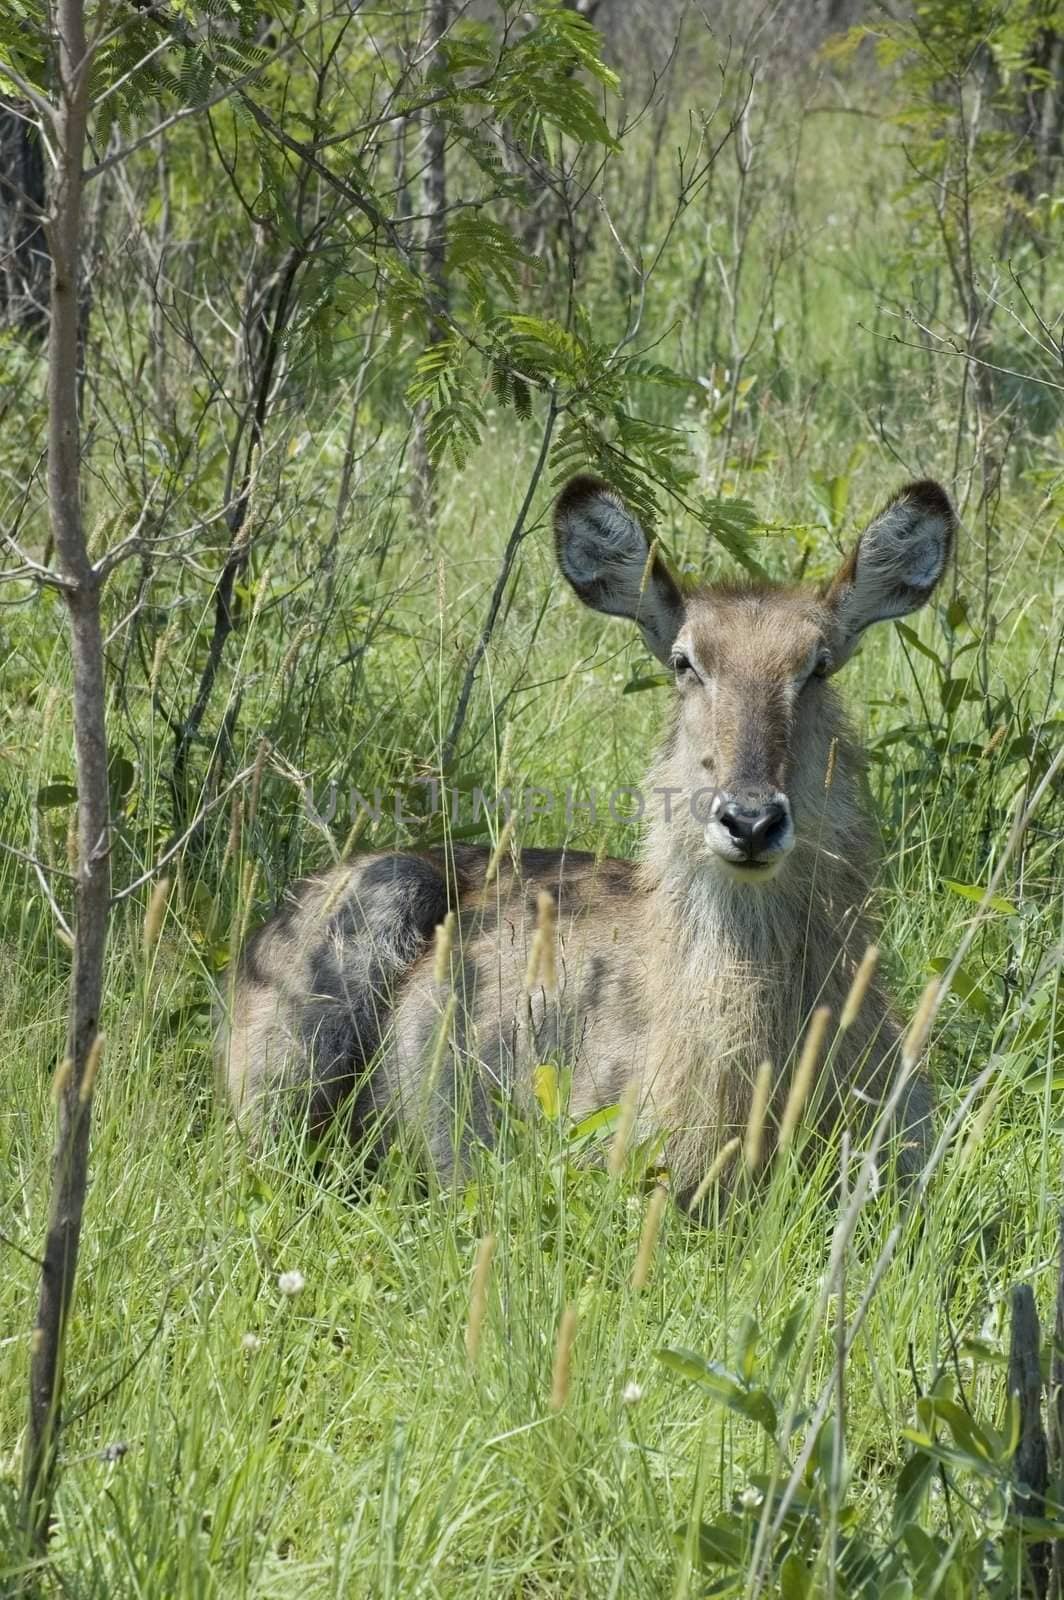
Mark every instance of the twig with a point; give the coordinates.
(183, 838)
(517, 534)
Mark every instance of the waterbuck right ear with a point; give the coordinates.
(604, 553)
(898, 561)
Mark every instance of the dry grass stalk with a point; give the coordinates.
(755, 1126)
(724, 1155)
(648, 567)
(649, 1237)
(862, 980)
(505, 755)
(236, 829)
(912, 1047)
(979, 1124)
(830, 772)
(92, 1067)
(802, 1081)
(63, 1074)
(358, 827)
(995, 739)
(255, 786)
(502, 844)
(439, 1049)
(622, 1133)
(292, 654)
(563, 1355)
(444, 942)
(478, 1295)
(245, 906)
(162, 645)
(542, 968)
(153, 916)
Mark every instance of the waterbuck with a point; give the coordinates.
(680, 973)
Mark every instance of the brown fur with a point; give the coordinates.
(681, 973)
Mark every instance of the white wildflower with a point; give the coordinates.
(751, 1498)
(633, 1393)
(251, 1342)
(291, 1282)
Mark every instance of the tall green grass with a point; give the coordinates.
(226, 1439)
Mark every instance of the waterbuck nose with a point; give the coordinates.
(756, 829)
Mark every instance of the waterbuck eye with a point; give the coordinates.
(822, 665)
(681, 665)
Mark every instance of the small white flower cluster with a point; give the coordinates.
(290, 1284)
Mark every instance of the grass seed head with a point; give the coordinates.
(755, 1127)
(255, 786)
(478, 1295)
(829, 773)
(862, 980)
(502, 844)
(723, 1157)
(63, 1074)
(916, 1035)
(542, 968)
(156, 911)
(649, 1237)
(802, 1081)
(622, 1133)
(561, 1371)
(92, 1067)
(444, 942)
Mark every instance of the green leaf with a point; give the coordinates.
(794, 1578)
(789, 1334)
(56, 793)
(654, 680)
(965, 986)
(746, 1347)
(546, 1088)
(594, 1126)
(971, 891)
(916, 643)
(897, 1589)
(924, 1550)
(968, 1436)
(723, 1386)
(911, 1487)
(952, 692)
(720, 1544)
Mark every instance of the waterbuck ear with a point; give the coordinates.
(898, 560)
(604, 553)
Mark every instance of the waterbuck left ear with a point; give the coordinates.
(605, 555)
(898, 560)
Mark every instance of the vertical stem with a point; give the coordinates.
(92, 885)
(1029, 1462)
(1056, 1417)
(434, 205)
(513, 544)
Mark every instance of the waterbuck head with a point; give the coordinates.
(755, 716)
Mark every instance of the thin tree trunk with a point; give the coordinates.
(92, 888)
(434, 206)
(238, 553)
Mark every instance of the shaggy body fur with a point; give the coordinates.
(681, 973)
